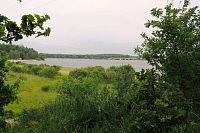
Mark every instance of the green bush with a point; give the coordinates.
(87, 103)
(16, 69)
(46, 88)
(40, 70)
(7, 93)
(48, 71)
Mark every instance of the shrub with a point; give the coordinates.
(7, 93)
(46, 88)
(48, 72)
(145, 104)
(16, 69)
(40, 70)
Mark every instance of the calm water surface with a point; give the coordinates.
(81, 63)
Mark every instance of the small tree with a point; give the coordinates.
(174, 47)
(10, 31)
(8, 92)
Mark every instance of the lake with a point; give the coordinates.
(81, 63)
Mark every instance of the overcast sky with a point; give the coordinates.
(87, 26)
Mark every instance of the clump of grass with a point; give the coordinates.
(22, 78)
(46, 88)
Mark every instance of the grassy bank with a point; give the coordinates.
(30, 93)
(66, 70)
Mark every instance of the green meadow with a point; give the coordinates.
(30, 93)
(66, 70)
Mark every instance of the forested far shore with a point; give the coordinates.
(19, 52)
(93, 56)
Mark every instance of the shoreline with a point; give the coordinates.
(82, 63)
(114, 59)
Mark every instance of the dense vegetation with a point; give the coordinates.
(8, 93)
(174, 48)
(19, 52)
(40, 70)
(33, 91)
(114, 100)
(163, 99)
(91, 56)
(11, 31)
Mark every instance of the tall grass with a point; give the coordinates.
(30, 94)
(113, 100)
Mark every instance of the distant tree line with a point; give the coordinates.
(91, 56)
(19, 52)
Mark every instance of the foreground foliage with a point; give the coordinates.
(173, 48)
(7, 92)
(114, 100)
(160, 100)
(10, 31)
(30, 25)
